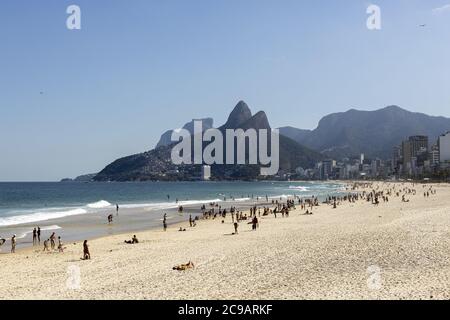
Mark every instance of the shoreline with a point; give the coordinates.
(133, 217)
(332, 254)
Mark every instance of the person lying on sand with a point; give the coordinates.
(183, 267)
(133, 240)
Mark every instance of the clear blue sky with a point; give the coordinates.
(137, 68)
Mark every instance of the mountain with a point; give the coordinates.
(157, 164)
(83, 178)
(373, 133)
(165, 140)
(239, 115)
(294, 133)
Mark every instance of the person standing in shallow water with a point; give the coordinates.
(117, 209)
(39, 235)
(165, 222)
(13, 244)
(34, 236)
(52, 241)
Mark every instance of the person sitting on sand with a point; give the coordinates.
(133, 240)
(183, 267)
(181, 229)
(86, 253)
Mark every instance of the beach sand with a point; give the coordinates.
(395, 250)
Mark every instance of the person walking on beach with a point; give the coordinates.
(46, 245)
(13, 244)
(165, 222)
(190, 220)
(34, 236)
(236, 225)
(60, 245)
(52, 241)
(86, 253)
(39, 235)
(117, 209)
(254, 223)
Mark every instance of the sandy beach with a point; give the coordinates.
(396, 250)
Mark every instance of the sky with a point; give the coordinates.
(72, 101)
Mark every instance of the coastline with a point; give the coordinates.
(332, 254)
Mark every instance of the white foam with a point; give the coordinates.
(166, 205)
(99, 204)
(46, 228)
(242, 199)
(281, 196)
(299, 188)
(39, 216)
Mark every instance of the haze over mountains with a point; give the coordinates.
(338, 135)
(373, 133)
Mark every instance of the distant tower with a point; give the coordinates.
(206, 173)
(362, 158)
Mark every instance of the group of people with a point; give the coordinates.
(52, 242)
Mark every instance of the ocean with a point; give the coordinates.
(78, 210)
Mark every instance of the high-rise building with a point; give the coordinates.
(414, 152)
(444, 148)
(434, 156)
(406, 152)
(419, 145)
(327, 168)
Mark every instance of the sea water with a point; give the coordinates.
(81, 208)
